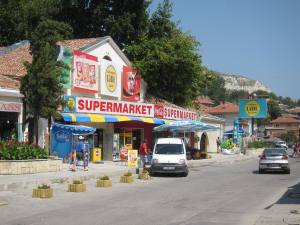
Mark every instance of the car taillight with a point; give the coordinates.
(285, 157)
(263, 157)
(154, 161)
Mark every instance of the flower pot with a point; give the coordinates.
(126, 179)
(144, 176)
(77, 188)
(104, 183)
(42, 193)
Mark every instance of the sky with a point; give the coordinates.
(259, 39)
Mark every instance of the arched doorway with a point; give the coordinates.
(203, 142)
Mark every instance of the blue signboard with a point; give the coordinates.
(70, 103)
(253, 108)
(235, 130)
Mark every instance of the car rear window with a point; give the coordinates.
(169, 149)
(274, 151)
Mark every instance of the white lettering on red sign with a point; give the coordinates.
(90, 105)
(10, 107)
(178, 114)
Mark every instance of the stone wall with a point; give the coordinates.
(16, 167)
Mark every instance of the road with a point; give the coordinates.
(225, 194)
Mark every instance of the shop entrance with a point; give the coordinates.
(126, 139)
(8, 125)
(203, 142)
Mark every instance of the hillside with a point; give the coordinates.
(236, 82)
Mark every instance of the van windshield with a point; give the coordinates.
(169, 149)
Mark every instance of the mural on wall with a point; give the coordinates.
(110, 79)
(131, 84)
(85, 72)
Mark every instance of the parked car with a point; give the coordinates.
(169, 156)
(281, 144)
(274, 159)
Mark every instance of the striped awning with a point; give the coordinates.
(97, 118)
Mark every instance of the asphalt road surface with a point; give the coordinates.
(225, 194)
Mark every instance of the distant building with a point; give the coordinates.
(282, 125)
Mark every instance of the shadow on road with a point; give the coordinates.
(268, 172)
(291, 196)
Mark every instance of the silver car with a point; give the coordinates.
(274, 159)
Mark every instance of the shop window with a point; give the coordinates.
(107, 58)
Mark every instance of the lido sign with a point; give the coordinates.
(253, 108)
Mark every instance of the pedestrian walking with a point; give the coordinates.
(143, 153)
(294, 150)
(218, 141)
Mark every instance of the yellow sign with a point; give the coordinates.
(252, 108)
(132, 158)
(111, 78)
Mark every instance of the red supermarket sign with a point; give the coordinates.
(101, 106)
(10, 107)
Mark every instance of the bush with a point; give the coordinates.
(128, 173)
(104, 178)
(44, 186)
(13, 150)
(77, 182)
(258, 144)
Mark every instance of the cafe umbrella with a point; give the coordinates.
(186, 126)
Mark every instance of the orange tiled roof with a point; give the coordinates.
(226, 107)
(204, 100)
(282, 119)
(12, 62)
(295, 110)
(158, 101)
(12, 66)
(76, 44)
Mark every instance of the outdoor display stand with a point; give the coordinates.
(64, 137)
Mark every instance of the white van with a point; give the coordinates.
(169, 156)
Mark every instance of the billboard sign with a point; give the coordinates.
(253, 108)
(85, 72)
(131, 84)
(110, 79)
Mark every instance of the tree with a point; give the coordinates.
(273, 109)
(168, 60)
(208, 82)
(41, 85)
(289, 137)
(19, 18)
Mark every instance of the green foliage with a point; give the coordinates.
(44, 186)
(235, 95)
(104, 178)
(128, 173)
(169, 60)
(77, 182)
(273, 109)
(13, 150)
(289, 137)
(227, 144)
(209, 80)
(257, 144)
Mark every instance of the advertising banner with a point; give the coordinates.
(178, 114)
(10, 106)
(110, 79)
(253, 108)
(131, 84)
(66, 56)
(85, 72)
(132, 158)
(101, 106)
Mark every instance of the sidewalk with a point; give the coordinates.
(112, 169)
